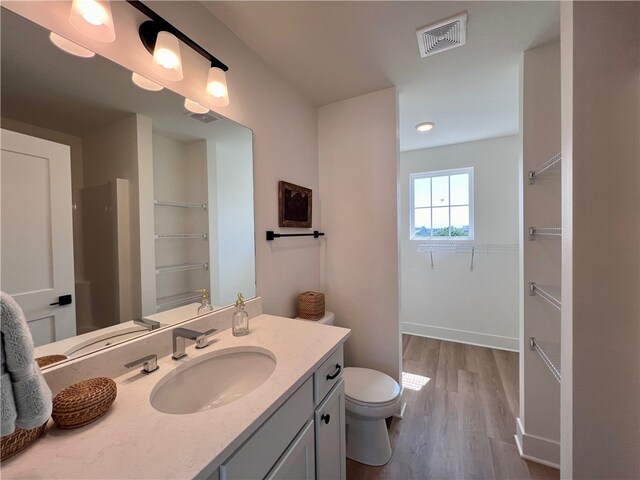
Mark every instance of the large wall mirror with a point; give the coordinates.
(116, 196)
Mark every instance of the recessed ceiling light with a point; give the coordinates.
(425, 127)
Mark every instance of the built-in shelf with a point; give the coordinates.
(177, 300)
(181, 267)
(557, 158)
(548, 293)
(160, 236)
(544, 231)
(171, 203)
(550, 355)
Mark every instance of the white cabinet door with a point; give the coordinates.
(298, 462)
(331, 460)
(37, 232)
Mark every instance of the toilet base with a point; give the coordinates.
(367, 440)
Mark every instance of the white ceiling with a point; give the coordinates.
(331, 51)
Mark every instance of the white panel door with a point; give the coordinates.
(36, 232)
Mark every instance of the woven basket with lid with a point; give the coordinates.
(19, 440)
(50, 360)
(83, 402)
(311, 305)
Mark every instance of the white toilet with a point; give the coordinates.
(370, 397)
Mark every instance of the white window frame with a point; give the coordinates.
(442, 173)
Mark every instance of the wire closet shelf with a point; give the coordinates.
(171, 203)
(160, 236)
(546, 293)
(544, 231)
(470, 248)
(178, 299)
(550, 355)
(183, 267)
(533, 174)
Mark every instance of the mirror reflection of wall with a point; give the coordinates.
(160, 201)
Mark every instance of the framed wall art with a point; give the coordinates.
(294, 205)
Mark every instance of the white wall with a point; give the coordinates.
(283, 121)
(358, 156)
(115, 152)
(601, 230)
(236, 248)
(449, 301)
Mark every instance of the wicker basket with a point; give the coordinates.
(83, 402)
(311, 305)
(19, 440)
(50, 360)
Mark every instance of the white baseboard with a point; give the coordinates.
(403, 405)
(462, 336)
(537, 449)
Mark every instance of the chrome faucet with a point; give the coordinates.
(179, 335)
(145, 322)
(149, 364)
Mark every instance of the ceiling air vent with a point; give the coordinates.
(444, 35)
(203, 117)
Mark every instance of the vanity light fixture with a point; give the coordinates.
(163, 40)
(167, 61)
(93, 18)
(425, 126)
(145, 83)
(70, 47)
(217, 91)
(194, 107)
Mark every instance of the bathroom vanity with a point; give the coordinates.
(289, 426)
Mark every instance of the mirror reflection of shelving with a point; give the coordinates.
(181, 221)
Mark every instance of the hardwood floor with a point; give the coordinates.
(461, 423)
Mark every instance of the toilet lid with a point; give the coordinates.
(369, 386)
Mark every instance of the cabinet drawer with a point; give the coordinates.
(260, 453)
(327, 375)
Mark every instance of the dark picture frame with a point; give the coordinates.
(294, 205)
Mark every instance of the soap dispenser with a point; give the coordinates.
(240, 324)
(205, 303)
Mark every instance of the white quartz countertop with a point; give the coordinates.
(136, 441)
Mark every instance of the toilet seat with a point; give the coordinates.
(370, 405)
(366, 387)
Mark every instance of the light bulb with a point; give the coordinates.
(69, 46)
(194, 106)
(93, 19)
(145, 83)
(217, 91)
(92, 12)
(166, 57)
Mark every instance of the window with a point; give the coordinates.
(442, 205)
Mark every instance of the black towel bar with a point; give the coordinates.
(272, 235)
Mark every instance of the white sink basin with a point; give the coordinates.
(213, 380)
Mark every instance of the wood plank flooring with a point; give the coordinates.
(461, 424)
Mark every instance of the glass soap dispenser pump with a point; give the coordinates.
(240, 325)
(205, 303)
